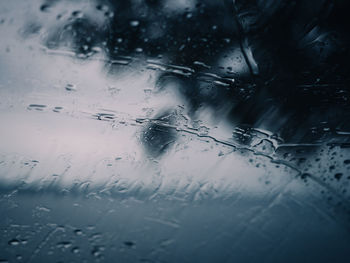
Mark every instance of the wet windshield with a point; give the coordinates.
(174, 131)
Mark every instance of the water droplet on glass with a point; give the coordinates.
(134, 23)
(78, 232)
(102, 8)
(75, 250)
(64, 244)
(77, 14)
(44, 8)
(129, 244)
(338, 176)
(71, 87)
(14, 242)
(97, 251)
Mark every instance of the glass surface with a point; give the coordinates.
(174, 131)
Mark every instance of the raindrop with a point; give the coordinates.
(102, 8)
(338, 176)
(14, 242)
(134, 23)
(71, 87)
(97, 251)
(129, 244)
(78, 232)
(57, 109)
(95, 236)
(305, 175)
(75, 250)
(96, 49)
(147, 91)
(37, 107)
(203, 130)
(44, 8)
(64, 244)
(109, 14)
(77, 14)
